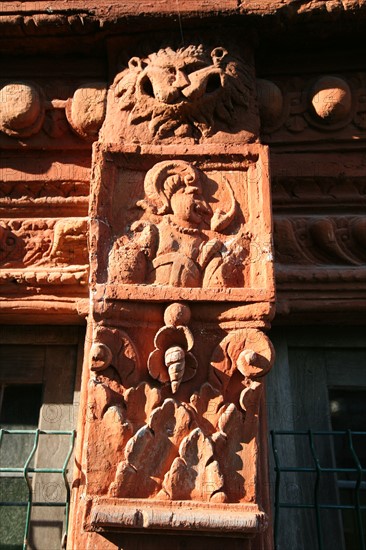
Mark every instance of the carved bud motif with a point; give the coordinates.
(171, 361)
(175, 362)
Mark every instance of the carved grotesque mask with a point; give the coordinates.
(184, 92)
(173, 79)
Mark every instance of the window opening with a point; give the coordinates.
(347, 411)
(317, 472)
(20, 438)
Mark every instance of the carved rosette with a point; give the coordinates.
(181, 290)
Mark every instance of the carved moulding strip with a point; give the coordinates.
(140, 516)
(143, 248)
(38, 197)
(319, 200)
(345, 192)
(325, 250)
(22, 307)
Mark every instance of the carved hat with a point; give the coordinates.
(163, 180)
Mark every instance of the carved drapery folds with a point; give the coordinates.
(182, 287)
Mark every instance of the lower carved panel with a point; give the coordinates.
(173, 407)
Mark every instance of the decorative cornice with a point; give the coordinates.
(39, 18)
(320, 244)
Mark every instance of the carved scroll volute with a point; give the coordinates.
(237, 366)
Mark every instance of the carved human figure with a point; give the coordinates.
(168, 244)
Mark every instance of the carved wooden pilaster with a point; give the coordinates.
(181, 290)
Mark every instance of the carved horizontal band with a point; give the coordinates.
(316, 241)
(110, 514)
(26, 111)
(307, 109)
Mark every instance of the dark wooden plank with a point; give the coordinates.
(22, 364)
(346, 367)
(39, 335)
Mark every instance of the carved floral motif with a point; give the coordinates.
(178, 448)
(243, 357)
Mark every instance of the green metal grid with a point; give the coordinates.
(26, 470)
(318, 470)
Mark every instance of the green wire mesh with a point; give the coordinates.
(26, 471)
(318, 471)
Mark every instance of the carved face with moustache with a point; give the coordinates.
(189, 207)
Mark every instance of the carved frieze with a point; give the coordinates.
(336, 240)
(43, 228)
(324, 247)
(43, 252)
(311, 108)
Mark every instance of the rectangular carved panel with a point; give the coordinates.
(173, 404)
(43, 231)
(146, 246)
